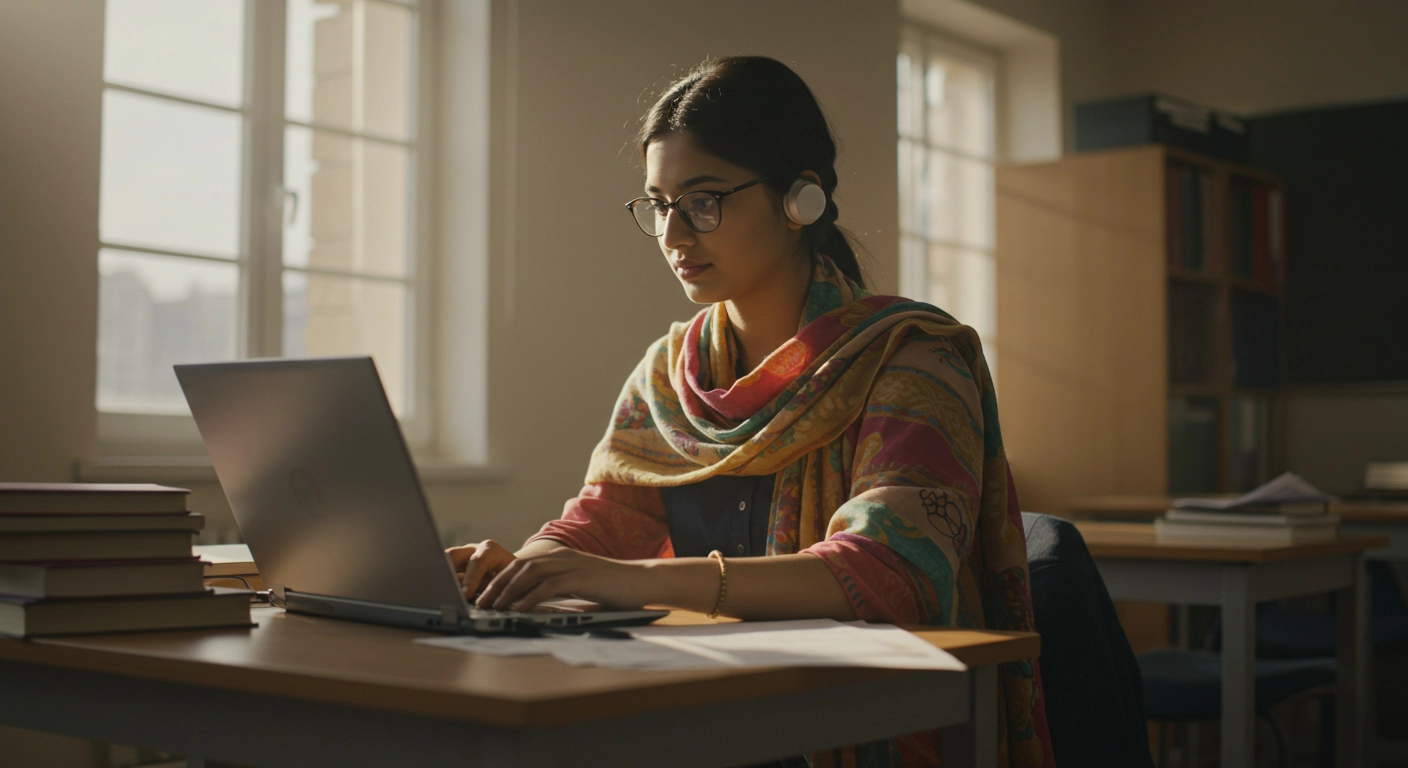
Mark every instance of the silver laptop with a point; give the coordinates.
(317, 473)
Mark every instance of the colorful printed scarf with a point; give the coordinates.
(880, 421)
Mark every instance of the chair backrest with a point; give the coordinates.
(1094, 692)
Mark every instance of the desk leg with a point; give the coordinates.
(1353, 726)
(1238, 668)
(974, 743)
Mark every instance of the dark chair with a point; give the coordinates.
(1094, 694)
(1182, 686)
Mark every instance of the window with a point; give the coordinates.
(947, 142)
(261, 193)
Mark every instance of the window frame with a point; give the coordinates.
(259, 324)
(914, 273)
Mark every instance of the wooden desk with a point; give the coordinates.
(1235, 578)
(1388, 519)
(303, 691)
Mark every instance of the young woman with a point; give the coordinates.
(801, 448)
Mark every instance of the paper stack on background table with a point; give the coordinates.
(1287, 510)
(805, 643)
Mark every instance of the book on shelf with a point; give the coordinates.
(162, 521)
(214, 607)
(110, 545)
(1193, 434)
(102, 578)
(1168, 531)
(91, 498)
(1188, 201)
(1257, 232)
(1191, 359)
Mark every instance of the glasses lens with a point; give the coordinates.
(700, 210)
(650, 216)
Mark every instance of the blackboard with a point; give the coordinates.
(1346, 172)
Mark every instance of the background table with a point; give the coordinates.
(304, 691)
(1235, 577)
(1388, 519)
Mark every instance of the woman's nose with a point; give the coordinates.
(676, 233)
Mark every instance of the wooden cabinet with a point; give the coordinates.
(1139, 314)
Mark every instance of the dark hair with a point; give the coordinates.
(755, 112)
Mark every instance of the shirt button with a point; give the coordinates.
(742, 505)
(740, 549)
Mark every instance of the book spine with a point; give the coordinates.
(1173, 205)
(1261, 247)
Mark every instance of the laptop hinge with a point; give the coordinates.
(449, 617)
(277, 595)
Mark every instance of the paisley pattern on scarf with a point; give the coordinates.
(880, 421)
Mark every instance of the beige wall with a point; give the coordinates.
(1333, 433)
(50, 87)
(1258, 56)
(577, 293)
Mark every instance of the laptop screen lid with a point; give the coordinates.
(319, 478)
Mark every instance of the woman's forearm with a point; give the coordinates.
(538, 547)
(759, 588)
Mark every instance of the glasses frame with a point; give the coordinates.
(718, 200)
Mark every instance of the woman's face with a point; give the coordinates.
(755, 242)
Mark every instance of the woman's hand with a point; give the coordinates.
(534, 577)
(475, 563)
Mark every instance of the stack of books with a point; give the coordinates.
(1287, 510)
(82, 558)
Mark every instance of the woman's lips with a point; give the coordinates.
(690, 271)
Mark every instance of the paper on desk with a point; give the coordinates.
(807, 643)
(1288, 488)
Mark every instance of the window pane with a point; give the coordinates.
(184, 48)
(353, 208)
(959, 106)
(350, 65)
(970, 278)
(913, 269)
(171, 175)
(910, 172)
(329, 316)
(960, 200)
(154, 312)
(910, 71)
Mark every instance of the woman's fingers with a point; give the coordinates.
(486, 561)
(544, 590)
(497, 585)
(518, 581)
(461, 554)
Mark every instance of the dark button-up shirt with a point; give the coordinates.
(726, 513)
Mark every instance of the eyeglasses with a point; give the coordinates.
(701, 210)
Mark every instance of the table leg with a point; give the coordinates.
(1353, 726)
(974, 743)
(1238, 668)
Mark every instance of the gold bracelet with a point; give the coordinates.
(723, 583)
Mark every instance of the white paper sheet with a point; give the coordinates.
(1288, 488)
(807, 643)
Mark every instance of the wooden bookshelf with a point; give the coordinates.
(1130, 361)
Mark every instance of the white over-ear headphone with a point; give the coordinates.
(804, 202)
